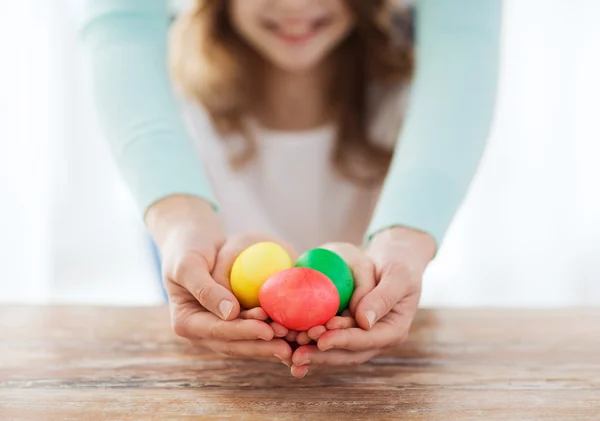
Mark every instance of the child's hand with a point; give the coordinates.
(204, 311)
(384, 315)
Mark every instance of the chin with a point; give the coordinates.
(296, 64)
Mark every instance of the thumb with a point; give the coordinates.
(363, 270)
(395, 284)
(193, 274)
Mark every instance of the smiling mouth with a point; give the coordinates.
(297, 32)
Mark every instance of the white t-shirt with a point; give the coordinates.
(291, 189)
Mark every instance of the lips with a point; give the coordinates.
(296, 31)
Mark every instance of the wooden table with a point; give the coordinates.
(64, 363)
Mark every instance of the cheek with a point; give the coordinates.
(343, 14)
(344, 23)
(243, 15)
(334, 36)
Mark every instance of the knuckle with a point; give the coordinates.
(398, 340)
(180, 326)
(386, 302)
(179, 323)
(216, 331)
(203, 293)
(363, 268)
(228, 351)
(182, 266)
(179, 329)
(397, 270)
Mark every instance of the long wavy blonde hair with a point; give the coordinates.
(214, 66)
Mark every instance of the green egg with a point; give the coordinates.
(335, 268)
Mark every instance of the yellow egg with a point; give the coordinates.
(253, 267)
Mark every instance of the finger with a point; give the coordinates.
(192, 273)
(315, 332)
(299, 371)
(339, 322)
(277, 350)
(364, 281)
(303, 338)
(278, 330)
(234, 246)
(395, 284)
(390, 331)
(256, 313)
(291, 336)
(198, 324)
(311, 355)
(363, 270)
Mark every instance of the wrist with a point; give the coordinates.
(421, 244)
(177, 210)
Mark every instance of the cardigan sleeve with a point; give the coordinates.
(137, 110)
(449, 116)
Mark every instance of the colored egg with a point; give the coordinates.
(253, 267)
(335, 268)
(299, 298)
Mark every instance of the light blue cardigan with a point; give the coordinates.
(440, 145)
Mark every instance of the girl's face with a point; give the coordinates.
(295, 35)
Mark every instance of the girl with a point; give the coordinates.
(294, 108)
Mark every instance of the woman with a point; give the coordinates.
(293, 42)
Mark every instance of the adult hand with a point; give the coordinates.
(363, 272)
(226, 256)
(383, 315)
(189, 237)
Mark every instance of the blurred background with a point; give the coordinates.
(527, 235)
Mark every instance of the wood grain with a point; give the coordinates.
(100, 363)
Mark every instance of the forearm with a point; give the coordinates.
(449, 119)
(136, 107)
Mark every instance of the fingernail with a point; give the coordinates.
(282, 360)
(305, 362)
(225, 308)
(264, 338)
(305, 373)
(326, 348)
(371, 317)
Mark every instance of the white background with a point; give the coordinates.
(527, 235)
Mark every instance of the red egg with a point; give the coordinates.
(299, 298)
